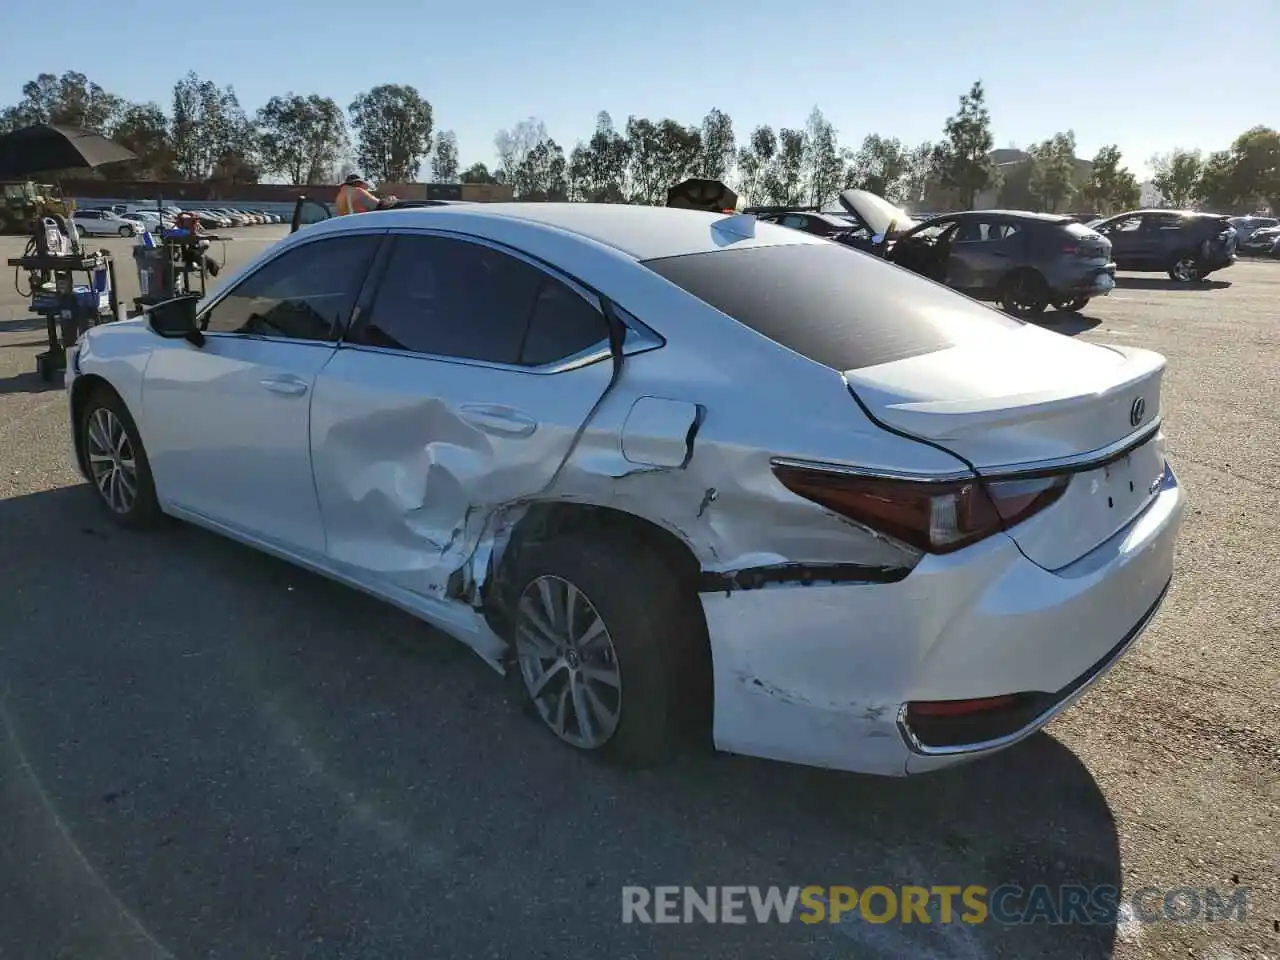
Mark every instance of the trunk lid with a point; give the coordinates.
(1030, 397)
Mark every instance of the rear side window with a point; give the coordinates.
(833, 304)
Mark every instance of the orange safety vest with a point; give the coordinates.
(353, 199)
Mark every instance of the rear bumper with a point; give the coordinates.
(1092, 282)
(822, 675)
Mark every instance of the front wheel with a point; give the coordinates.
(1185, 270)
(116, 461)
(1074, 305)
(605, 646)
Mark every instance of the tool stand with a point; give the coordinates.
(175, 267)
(69, 308)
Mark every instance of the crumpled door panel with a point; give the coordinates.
(411, 455)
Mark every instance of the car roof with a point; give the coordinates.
(639, 232)
(1174, 213)
(1007, 214)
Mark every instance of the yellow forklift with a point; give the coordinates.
(26, 203)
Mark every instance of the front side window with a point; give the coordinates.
(443, 297)
(305, 294)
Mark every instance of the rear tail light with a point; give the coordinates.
(933, 517)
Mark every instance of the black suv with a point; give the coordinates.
(1189, 246)
(1025, 261)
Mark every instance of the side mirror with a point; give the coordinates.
(176, 320)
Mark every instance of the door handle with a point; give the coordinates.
(497, 419)
(287, 386)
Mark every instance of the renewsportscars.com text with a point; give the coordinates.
(1007, 904)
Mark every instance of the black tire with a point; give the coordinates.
(1071, 306)
(1024, 293)
(144, 509)
(126, 232)
(653, 624)
(1186, 270)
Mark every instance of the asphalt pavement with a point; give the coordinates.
(207, 753)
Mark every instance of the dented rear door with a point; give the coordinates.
(462, 387)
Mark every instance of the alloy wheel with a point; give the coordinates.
(1185, 270)
(111, 460)
(568, 662)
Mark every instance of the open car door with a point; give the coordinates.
(306, 212)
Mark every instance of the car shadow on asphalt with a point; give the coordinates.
(374, 749)
(29, 383)
(1157, 283)
(1069, 324)
(22, 325)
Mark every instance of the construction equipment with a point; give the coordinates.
(26, 203)
(699, 194)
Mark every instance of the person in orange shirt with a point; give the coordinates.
(354, 196)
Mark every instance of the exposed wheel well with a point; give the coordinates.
(80, 390)
(543, 521)
(1017, 273)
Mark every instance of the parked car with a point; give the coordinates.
(210, 220)
(648, 460)
(234, 219)
(148, 219)
(1024, 261)
(103, 223)
(1245, 226)
(838, 228)
(1187, 245)
(1263, 242)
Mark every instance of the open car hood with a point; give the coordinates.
(877, 213)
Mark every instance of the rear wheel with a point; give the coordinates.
(605, 641)
(1185, 270)
(126, 231)
(1024, 293)
(1074, 305)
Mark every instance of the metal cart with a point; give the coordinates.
(69, 308)
(174, 267)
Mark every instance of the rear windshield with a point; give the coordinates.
(833, 304)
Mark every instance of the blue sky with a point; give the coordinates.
(1148, 75)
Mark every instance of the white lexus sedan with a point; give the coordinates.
(647, 461)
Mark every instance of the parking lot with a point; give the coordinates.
(207, 753)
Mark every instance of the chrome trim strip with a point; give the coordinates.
(873, 473)
(1079, 462)
(1076, 463)
(592, 354)
(1044, 718)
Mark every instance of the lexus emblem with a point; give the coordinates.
(1137, 411)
